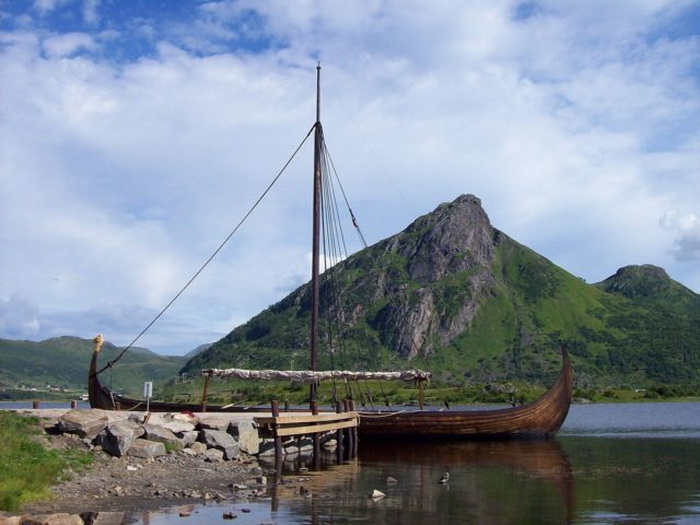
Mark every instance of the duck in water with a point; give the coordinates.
(445, 478)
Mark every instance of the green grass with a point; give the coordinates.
(27, 469)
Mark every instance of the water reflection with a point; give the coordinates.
(637, 480)
(611, 464)
(490, 482)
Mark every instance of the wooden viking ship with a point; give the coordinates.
(540, 418)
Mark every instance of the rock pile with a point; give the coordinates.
(151, 435)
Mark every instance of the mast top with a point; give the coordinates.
(318, 92)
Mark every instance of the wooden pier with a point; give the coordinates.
(343, 423)
(286, 425)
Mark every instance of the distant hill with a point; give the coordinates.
(198, 350)
(64, 362)
(453, 294)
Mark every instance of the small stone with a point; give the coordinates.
(377, 494)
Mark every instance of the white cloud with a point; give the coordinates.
(68, 44)
(686, 226)
(19, 317)
(121, 172)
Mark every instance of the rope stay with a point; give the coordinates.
(212, 256)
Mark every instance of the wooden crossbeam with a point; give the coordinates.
(297, 425)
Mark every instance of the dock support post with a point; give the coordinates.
(316, 439)
(339, 436)
(279, 455)
(349, 432)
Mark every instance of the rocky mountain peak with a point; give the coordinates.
(643, 280)
(456, 236)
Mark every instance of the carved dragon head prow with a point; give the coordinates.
(99, 341)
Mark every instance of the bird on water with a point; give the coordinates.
(445, 478)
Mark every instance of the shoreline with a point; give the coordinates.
(132, 485)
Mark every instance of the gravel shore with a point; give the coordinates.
(129, 484)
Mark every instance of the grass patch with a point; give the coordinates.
(27, 469)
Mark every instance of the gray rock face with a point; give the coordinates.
(214, 422)
(220, 440)
(214, 455)
(137, 434)
(455, 238)
(143, 448)
(176, 423)
(84, 423)
(118, 437)
(189, 437)
(247, 436)
(161, 434)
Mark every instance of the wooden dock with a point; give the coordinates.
(287, 424)
(343, 423)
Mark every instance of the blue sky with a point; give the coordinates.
(135, 134)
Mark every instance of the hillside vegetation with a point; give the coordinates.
(450, 294)
(456, 296)
(63, 363)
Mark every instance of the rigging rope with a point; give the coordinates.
(211, 257)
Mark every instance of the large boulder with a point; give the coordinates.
(176, 423)
(161, 434)
(189, 437)
(85, 423)
(143, 448)
(118, 437)
(214, 422)
(220, 440)
(246, 434)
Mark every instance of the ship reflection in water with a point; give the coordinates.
(631, 463)
(489, 482)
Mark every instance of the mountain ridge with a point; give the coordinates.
(455, 294)
(64, 362)
(450, 293)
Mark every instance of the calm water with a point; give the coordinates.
(617, 463)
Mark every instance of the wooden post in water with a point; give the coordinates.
(339, 436)
(353, 430)
(316, 439)
(279, 454)
(349, 432)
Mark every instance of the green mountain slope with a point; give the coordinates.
(455, 295)
(64, 362)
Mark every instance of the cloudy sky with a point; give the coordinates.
(135, 134)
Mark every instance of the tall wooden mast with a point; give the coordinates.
(315, 255)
